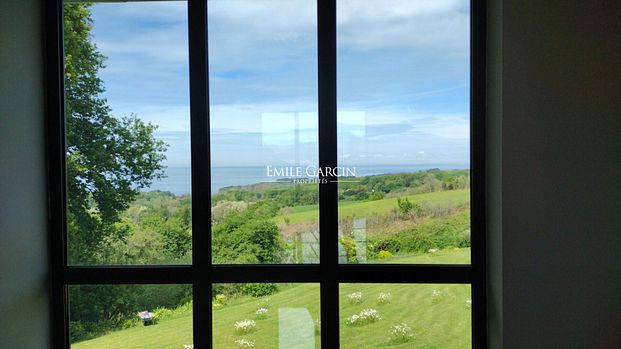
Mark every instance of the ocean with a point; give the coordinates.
(178, 179)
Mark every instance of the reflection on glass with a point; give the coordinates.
(130, 316)
(127, 133)
(403, 127)
(264, 150)
(266, 316)
(405, 316)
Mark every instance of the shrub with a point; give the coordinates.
(405, 206)
(376, 195)
(384, 298)
(384, 254)
(161, 313)
(219, 301)
(355, 298)
(366, 316)
(259, 290)
(400, 333)
(78, 331)
(245, 326)
(349, 245)
(436, 233)
(261, 313)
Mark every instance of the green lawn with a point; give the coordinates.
(449, 256)
(438, 322)
(366, 208)
(171, 333)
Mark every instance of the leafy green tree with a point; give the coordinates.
(405, 206)
(249, 236)
(108, 159)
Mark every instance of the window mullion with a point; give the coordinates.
(328, 199)
(201, 174)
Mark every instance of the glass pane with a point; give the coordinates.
(130, 316)
(127, 133)
(405, 316)
(264, 150)
(403, 131)
(266, 315)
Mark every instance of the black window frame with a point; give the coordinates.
(202, 273)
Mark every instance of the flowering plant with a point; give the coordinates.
(262, 313)
(400, 333)
(436, 296)
(355, 298)
(245, 343)
(366, 316)
(384, 298)
(245, 326)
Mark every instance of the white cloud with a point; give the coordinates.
(403, 76)
(369, 24)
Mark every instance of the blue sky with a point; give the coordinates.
(403, 79)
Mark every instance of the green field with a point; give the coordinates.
(436, 322)
(376, 207)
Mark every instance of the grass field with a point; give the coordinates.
(440, 321)
(366, 208)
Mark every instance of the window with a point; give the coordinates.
(274, 173)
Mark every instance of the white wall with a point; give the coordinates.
(558, 106)
(24, 316)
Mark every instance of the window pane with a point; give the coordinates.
(127, 133)
(403, 128)
(130, 316)
(266, 316)
(405, 316)
(264, 151)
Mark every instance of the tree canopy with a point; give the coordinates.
(108, 158)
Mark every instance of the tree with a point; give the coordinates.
(249, 236)
(108, 159)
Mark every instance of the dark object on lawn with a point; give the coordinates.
(147, 318)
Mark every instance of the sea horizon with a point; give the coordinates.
(178, 178)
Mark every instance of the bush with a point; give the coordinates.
(437, 233)
(384, 254)
(376, 195)
(349, 245)
(400, 333)
(161, 313)
(259, 290)
(78, 331)
(366, 316)
(248, 237)
(405, 206)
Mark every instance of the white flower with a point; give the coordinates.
(188, 346)
(261, 313)
(366, 316)
(468, 303)
(384, 298)
(436, 296)
(245, 343)
(433, 250)
(245, 326)
(355, 297)
(400, 333)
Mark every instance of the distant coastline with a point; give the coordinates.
(178, 179)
